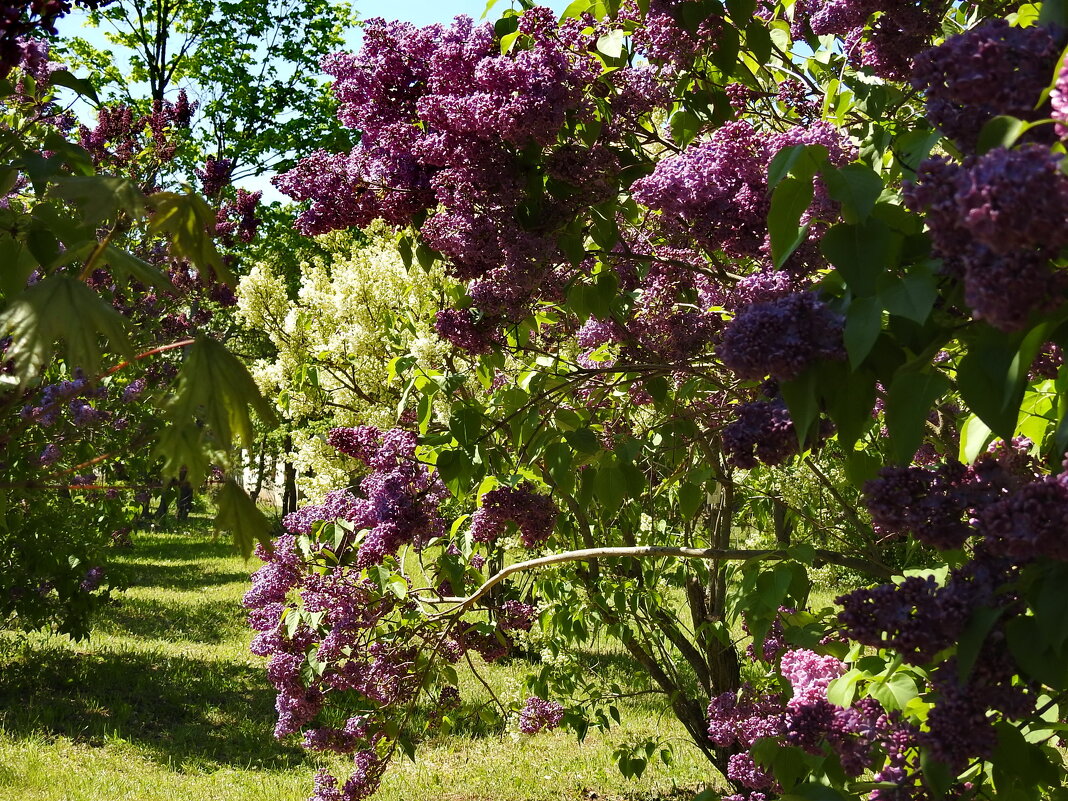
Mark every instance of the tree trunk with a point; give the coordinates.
(261, 470)
(289, 491)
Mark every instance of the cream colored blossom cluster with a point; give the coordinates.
(355, 311)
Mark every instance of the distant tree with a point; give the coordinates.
(252, 65)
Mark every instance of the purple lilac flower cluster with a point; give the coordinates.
(349, 608)
(886, 44)
(991, 70)
(782, 337)
(805, 719)
(538, 715)
(515, 616)
(919, 619)
(448, 701)
(532, 513)
(28, 18)
(716, 191)
(773, 645)
(665, 38)
(76, 398)
(236, 219)
(1001, 499)
(1048, 362)
(996, 220)
(363, 783)
(118, 137)
(663, 325)
(214, 175)
(469, 330)
(400, 495)
(443, 117)
(762, 431)
(304, 601)
(960, 727)
(93, 578)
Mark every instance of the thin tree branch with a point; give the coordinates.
(649, 551)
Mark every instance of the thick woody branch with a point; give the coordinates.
(653, 552)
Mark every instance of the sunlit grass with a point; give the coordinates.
(165, 703)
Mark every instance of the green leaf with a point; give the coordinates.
(559, 464)
(911, 297)
(98, 197)
(1001, 131)
(813, 791)
(741, 10)
(936, 775)
(691, 498)
(404, 248)
(452, 467)
(800, 161)
(60, 307)
(993, 374)
(789, 202)
(850, 406)
(1050, 604)
(864, 322)
(803, 402)
(611, 43)
(1027, 644)
(895, 692)
(728, 43)
(399, 587)
(908, 403)
(842, 690)
(238, 514)
(609, 486)
(465, 425)
(857, 187)
(181, 445)
(971, 640)
(186, 220)
(18, 264)
(861, 467)
(1020, 765)
(758, 40)
(575, 10)
(913, 148)
(974, 435)
(862, 253)
(1054, 12)
(425, 256)
(685, 125)
(127, 266)
(80, 85)
(583, 440)
(213, 386)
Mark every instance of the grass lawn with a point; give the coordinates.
(165, 703)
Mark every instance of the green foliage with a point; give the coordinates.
(77, 343)
(251, 64)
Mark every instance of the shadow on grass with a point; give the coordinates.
(180, 710)
(177, 562)
(210, 622)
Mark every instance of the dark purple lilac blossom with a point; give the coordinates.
(996, 221)
(993, 69)
(761, 432)
(531, 512)
(782, 337)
